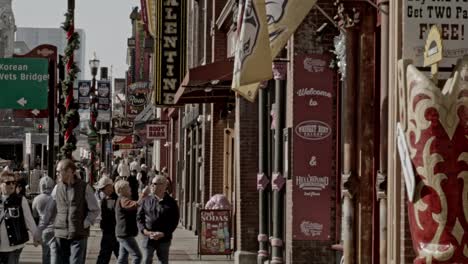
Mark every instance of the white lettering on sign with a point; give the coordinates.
(211, 216)
(312, 91)
(311, 229)
(13, 67)
(314, 65)
(313, 130)
(315, 183)
(451, 16)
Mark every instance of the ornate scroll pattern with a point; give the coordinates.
(437, 133)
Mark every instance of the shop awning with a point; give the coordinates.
(146, 115)
(124, 142)
(206, 84)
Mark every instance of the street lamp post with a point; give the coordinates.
(92, 134)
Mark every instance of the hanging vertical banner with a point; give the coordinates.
(169, 59)
(104, 100)
(104, 91)
(84, 87)
(313, 147)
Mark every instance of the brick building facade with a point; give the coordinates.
(220, 143)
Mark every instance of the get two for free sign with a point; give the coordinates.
(24, 83)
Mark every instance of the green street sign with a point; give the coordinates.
(23, 83)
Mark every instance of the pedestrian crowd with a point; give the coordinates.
(138, 202)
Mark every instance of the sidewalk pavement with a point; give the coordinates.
(183, 250)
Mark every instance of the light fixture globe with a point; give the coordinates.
(94, 65)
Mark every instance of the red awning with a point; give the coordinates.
(206, 84)
(124, 142)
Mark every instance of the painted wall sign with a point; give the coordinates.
(452, 19)
(215, 235)
(170, 51)
(313, 147)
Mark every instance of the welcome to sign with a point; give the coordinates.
(452, 19)
(169, 59)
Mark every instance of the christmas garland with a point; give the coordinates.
(69, 117)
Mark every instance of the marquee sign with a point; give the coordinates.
(169, 59)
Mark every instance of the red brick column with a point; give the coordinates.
(246, 181)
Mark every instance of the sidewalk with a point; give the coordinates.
(183, 250)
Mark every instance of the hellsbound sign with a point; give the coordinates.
(169, 59)
(24, 83)
(452, 19)
(313, 146)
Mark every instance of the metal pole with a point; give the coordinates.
(51, 133)
(278, 180)
(61, 75)
(349, 147)
(93, 124)
(262, 177)
(42, 157)
(382, 173)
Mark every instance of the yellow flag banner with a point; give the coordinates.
(283, 17)
(151, 15)
(252, 62)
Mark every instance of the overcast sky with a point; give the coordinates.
(106, 24)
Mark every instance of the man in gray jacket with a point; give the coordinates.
(42, 205)
(77, 209)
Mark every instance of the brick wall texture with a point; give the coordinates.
(246, 175)
(307, 41)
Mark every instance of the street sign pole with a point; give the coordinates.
(51, 105)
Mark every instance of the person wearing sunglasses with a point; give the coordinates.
(158, 217)
(15, 221)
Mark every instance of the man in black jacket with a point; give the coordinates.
(109, 243)
(158, 217)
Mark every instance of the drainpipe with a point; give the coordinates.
(278, 179)
(349, 178)
(381, 185)
(262, 178)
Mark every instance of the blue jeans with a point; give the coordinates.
(109, 244)
(66, 251)
(128, 245)
(162, 251)
(47, 239)
(11, 257)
